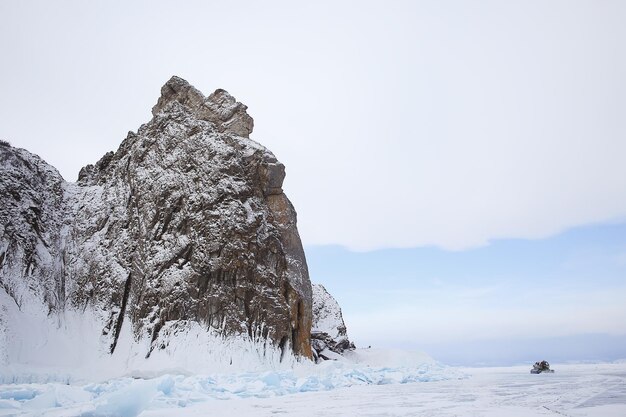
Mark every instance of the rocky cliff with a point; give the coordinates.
(184, 227)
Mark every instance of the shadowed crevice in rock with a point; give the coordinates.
(122, 313)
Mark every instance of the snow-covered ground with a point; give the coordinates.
(337, 389)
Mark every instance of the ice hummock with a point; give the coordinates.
(130, 395)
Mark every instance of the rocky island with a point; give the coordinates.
(180, 246)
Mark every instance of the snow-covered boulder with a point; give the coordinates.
(329, 336)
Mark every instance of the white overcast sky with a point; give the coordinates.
(400, 123)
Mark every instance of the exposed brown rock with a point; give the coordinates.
(220, 108)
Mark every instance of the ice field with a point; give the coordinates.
(573, 390)
(333, 389)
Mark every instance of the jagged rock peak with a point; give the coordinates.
(328, 330)
(220, 108)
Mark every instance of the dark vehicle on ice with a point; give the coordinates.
(541, 367)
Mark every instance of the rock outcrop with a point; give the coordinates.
(328, 331)
(185, 224)
(32, 219)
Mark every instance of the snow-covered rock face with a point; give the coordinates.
(328, 332)
(185, 224)
(32, 213)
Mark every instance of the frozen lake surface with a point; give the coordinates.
(573, 390)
